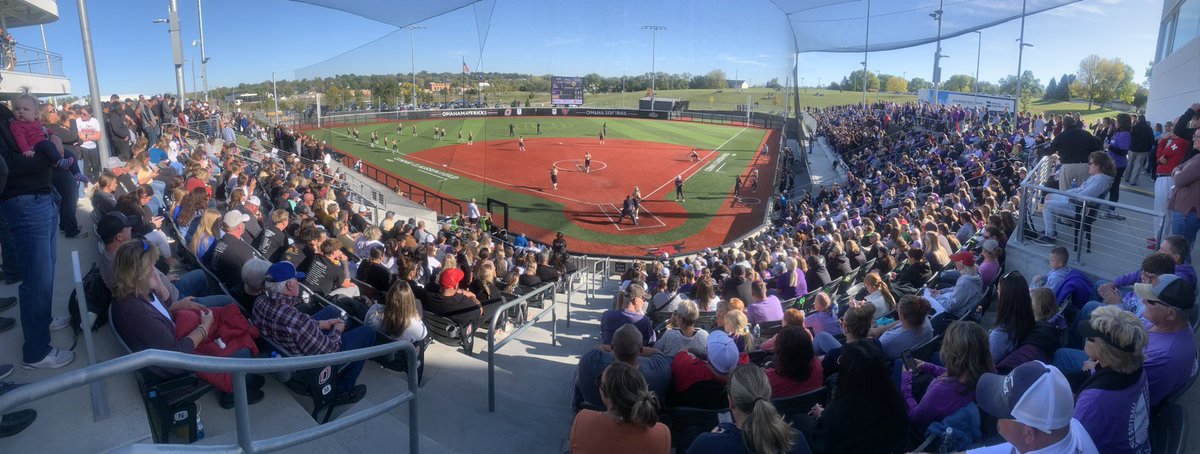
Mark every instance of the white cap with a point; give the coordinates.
(253, 200)
(1033, 394)
(235, 218)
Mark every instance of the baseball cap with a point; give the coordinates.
(722, 352)
(991, 245)
(234, 218)
(282, 272)
(1171, 290)
(1033, 394)
(963, 257)
(114, 162)
(450, 278)
(254, 200)
(113, 223)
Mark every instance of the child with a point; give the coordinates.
(1045, 308)
(27, 129)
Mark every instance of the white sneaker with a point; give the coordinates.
(53, 360)
(60, 322)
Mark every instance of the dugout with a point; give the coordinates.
(660, 104)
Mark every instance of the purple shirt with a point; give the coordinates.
(1117, 419)
(989, 271)
(823, 322)
(1170, 362)
(944, 396)
(767, 310)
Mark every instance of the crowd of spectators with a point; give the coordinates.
(855, 278)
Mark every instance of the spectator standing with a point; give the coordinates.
(1073, 146)
(89, 136)
(28, 224)
(1169, 155)
(1141, 144)
(1184, 202)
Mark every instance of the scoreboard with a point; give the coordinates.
(566, 91)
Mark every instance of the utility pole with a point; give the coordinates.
(866, 51)
(978, 52)
(937, 55)
(89, 62)
(412, 32)
(176, 48)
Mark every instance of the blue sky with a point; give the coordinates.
(247, 40)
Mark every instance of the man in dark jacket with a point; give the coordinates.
(118, 132)
(1141, 144)
(1073, 147)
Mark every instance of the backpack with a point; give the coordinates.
(99, 298)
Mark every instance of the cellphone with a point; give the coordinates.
(725, 417)
(909, 362)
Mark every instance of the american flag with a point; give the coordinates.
(466, 69)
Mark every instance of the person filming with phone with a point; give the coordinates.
(967, 357)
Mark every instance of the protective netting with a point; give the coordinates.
(841, 26)
(814, 25)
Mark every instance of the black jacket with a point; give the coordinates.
(1141, 138)
(1074, 145)
(25, 175)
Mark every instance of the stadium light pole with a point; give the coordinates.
(412, 33)
(937, 54)
(274, 93)
(172, 22)
(654, 29)
(978, 52)
(866, 52)
(203, 55)
(1020, 53)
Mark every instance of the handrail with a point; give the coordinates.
(493, 346)
(239, 367)
(32, 60)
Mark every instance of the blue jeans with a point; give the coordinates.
(32, 221)
(1186, 225)
(68, 192)
(156, 202)
(8, 250)
(361, 337)
(1069, 360)
(195, 284)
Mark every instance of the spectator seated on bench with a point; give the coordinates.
(327, 272)
(749, 399)
(319, 333)
(145, 318)
(636, 429)
(627, 348)
(698, 380)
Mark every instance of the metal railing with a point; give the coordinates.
(502, 311)
(239, 367)
(26, 59)
(1105, 233)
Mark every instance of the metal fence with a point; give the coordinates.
(239, 367)
(1108, 236)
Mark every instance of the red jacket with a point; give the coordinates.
(231, 327)
(1170, 154)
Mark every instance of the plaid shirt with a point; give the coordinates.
(295, 331)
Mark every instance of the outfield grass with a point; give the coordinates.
(729, 99)
(1066, 107)
(708, 191)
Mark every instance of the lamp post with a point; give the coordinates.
(89, 62)
(192, 63)
(937, 54)
(866, 51)
(1021, 52)
(654, 29)
(978, 52)
(274, 93)
(412, 32)
(203, 55)
(172, 22)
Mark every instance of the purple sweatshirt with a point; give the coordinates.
(944, 396)
(1115, 410)
(767, 310)
(1183, 270)
(1120, 140)
(1170, 359)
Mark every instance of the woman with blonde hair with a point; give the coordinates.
(484, 286)
(631, 422)
(791, 283)
(935, 253)
(207, 231)
(965, 353)
(738, 328)
(757, 426)
(399, 315)
(879, 294)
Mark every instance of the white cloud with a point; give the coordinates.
(743, 61)
(563, 40)
(1079, 9)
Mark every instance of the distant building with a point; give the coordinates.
(1173, 82)
(733, 83)
(437, 87)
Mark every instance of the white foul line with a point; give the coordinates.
(702, 160)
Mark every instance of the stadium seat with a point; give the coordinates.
(925, 351)
(448, 331)
(1169, 430)
(687, 423)
(794, 408)
(170, 401)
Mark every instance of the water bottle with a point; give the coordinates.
(757, 331)
(1074, 183)
(199, 428)
(947, 441)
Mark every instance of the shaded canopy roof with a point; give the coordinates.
(816, 25)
